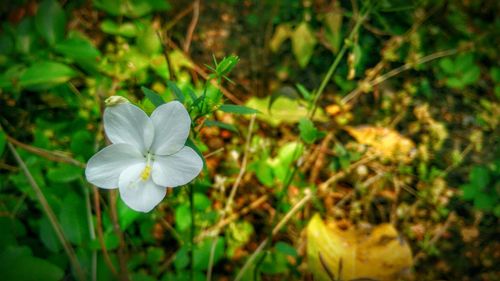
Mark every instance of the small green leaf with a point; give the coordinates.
(176, 91)
(303, 42)
(447, 65)
(152, 96)
(74, 219)
(201, 201)
(77, 49)
(50, 21)
(182, 217)
(202, 253)
(304, 92)
(286, 249)
(64, 173)
(126, 216)
(126, 29)
(308, 131)
(226, 65)
(222, 125)
(237, 109)
(479, 177)
(45, 75)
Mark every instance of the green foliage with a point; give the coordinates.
(483, 188)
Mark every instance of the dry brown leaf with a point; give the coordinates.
(375, 254)
(387, 142)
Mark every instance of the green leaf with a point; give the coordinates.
(202, 253)
(133, 9)
(152, 96)
(148, 41)
(495, 74)
(222, 125)
(484, 201)
(479, 177)
(176, 91)
(308, 131)
(18, 263)
(283, 110)
(183, 217)
(77, 49)
(64, 173)
(126, 29)
(201, 201)
(48, 236)
(126, 216)
(50, 21)
(286, 249)
(237, 109)
(447, 65)
(304, 92)
(471, 75)
(45, 75)
(303, 42)
(226, 65)
(73, 219)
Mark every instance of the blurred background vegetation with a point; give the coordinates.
(399, 143)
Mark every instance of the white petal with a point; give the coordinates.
(172, 124)
(105, 167)
(126, 123)
(139, 195)
(177, 169)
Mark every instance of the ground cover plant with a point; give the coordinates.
(249, 140)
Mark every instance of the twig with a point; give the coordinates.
(234, 216)
(91, 228)
(232, 194)
(70, 252)
(100, 235)
(47, 154)
(336, 62)
(122, 261)
(437, 236)
(367, 85)
(192, 26)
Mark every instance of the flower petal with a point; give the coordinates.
(139, 195)
(177, 169)
(126, 123)
(105, 167)
(172, 124)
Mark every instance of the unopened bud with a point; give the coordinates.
(115, 100)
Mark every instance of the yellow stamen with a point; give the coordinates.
(146, 173)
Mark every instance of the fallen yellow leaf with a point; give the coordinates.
(387, 142)
(377, 253)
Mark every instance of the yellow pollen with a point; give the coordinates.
(146, 173)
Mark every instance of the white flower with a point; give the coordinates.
(147, 155)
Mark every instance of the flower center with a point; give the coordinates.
(146, 173)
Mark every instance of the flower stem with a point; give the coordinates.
(191, 204)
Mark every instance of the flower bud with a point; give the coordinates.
(115, 100)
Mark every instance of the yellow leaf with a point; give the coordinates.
(282, 32)
(387, 142)
(303, 42)
(378, 253)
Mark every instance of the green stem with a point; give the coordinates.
(336, 62)
(191, 204)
